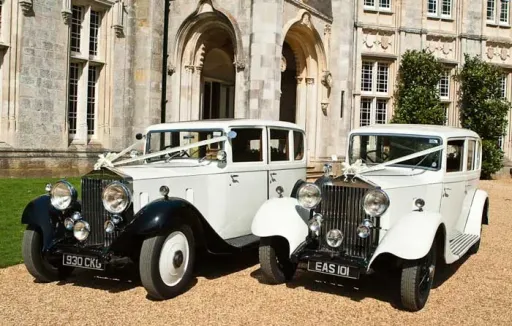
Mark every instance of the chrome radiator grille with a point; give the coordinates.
(342, 209)
(94, 213)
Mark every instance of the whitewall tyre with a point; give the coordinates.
(37, 266)
(274, 260)
(166, 262)
(417, 279)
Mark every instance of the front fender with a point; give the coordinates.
(479, 213)
(283, 217)
(163, 214)
(411, 237)
(40, 213)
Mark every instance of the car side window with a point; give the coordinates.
(471, 162)
(279, 145)
(298, 145)
(455, 156)
(247, 146)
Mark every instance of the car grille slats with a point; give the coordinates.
(94, 213)
(342, 209)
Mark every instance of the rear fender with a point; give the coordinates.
(163, 214)
(411, 237)
(41, 214)
(479, 213)
(283, 217)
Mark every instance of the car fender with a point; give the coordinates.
(40, 213)
(161, 215)
(478, 214)
(411, 237)
(283, 217)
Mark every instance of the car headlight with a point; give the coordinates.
(62, 195)
(116, 197)
(375, 202)
(309, 195)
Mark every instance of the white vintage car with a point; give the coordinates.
(408, 198)
(197, 185)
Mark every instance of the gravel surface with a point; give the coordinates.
(227, 291)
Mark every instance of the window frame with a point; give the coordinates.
(374, 96)
(264, 145)
(438, 14)
(464, 155)
(497, 12)
(288, 145)
(303, 136)
(377, 6)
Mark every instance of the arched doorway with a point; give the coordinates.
(209, 58)
(218, 78)
(288, 102)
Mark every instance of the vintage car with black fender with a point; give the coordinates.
(193, 186)
(408, 197)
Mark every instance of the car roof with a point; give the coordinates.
(417, 129)
(222, 124)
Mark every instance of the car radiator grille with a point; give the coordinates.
(342, 209)
(94, 213)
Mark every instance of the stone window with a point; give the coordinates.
(374, 92)
(87, 55)
(444, 85)
(498, 12)
(439, 8)
(504, 86)
(377, 4)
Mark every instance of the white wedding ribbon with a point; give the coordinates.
(359, 168)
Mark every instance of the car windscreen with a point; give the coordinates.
(166, 139)
(375, 149)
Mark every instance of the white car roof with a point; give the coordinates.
(417, 129)
(222, 124)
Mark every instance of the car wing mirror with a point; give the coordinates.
(221, 156)
(138, 136)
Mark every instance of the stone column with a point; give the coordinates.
(301, 103)
(311, 116)
(186, 92)
(195, 101)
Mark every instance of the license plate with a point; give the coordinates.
(82, 262)
(333, 269)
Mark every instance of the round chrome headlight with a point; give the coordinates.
(81, 230)
(109, 226)
(375, 202)
(309, 195)
(364, 229)
(116, 197)
(69, 223)
(62, 195)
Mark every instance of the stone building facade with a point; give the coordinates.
(80, 77)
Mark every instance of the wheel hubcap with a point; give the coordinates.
(178, 259)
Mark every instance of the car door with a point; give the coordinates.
(473, 162)
(246, 179)
(454, 184)
(287, 162)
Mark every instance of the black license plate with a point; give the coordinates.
(82, 262)
(335, 269)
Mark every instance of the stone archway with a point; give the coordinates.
(209, 61)
(310, 94)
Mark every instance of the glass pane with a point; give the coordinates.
(444, 85)
(247, 145)
(366, 108)
(382, 77)
(298, 144)
(447, 8)
(91, 99)
(490, 9)
(385, 4)
(73, 96)
(76, 25)
(381, 112)
(366, 76)
(369, 3)
(454, 156)
(471, 155)
(94, 31)
(279, 145)
(432, 6)
(504, 12)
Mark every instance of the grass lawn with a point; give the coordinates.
(15, 194)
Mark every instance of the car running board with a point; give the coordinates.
(243, 241)
(460, 244)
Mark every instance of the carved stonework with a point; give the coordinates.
(327, 29)
(310, 80)
(378, 39)
(118, 25)
(299, 80)
(283, 63)
(504, 54)
(66, 11)
(490, 52)
(171, 70)
(26, 6)
(441, 46)
(306, 20)
(189, 68)
(498, 51)
(239, 65)
(327, 79)
(325, 106)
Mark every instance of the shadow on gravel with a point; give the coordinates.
(444, 272)
(126, 277)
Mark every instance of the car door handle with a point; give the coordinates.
(234, 178)
(272, 179)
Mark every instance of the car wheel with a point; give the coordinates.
(36, 264)
(417, 280)
(166, 262)
(274, 260)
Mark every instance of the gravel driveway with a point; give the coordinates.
(476, 291)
